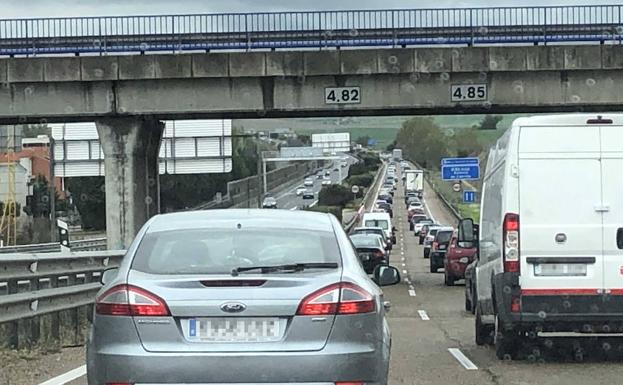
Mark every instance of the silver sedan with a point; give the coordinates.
(241, 296)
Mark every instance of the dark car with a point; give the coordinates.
(387, 207)
(377, 231)
(370, 250)
(412, 200)
(415, 219)
(309, 195)
(439, 248)
(386, 197)
(424, 231)
(458, 257)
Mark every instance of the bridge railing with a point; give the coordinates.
(55, 247)
(312, 29)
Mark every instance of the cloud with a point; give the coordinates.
(57, 8)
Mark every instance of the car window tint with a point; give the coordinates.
(444, 236)
(218, 251)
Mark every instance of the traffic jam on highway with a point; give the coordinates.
(290, 289)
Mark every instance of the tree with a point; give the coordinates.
(490, 122)
(89, 195)
(422, 141)
(466, 142)
(390, 147)
(33, 130)
(363, 140)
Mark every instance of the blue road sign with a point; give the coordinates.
(460, 172)
(469, 196)
(461, 161)
(371, 142)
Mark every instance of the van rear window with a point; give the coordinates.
(377, 223)
(444, 236)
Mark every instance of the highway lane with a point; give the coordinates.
(289, 200)
(433, 341)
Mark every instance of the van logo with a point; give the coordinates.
(233, 307)
(561, 238)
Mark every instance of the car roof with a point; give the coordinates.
(445, 228)
(232, 218)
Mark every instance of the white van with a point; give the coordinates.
(551, 231)
(382, 220)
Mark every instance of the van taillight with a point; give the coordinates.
(435, 245)
(511, 243)
(128, 300)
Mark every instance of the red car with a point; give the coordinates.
(456, 260)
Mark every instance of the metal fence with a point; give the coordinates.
(55, 247)
(320, 29)
(45, 298)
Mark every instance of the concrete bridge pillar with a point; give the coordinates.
(131, 146)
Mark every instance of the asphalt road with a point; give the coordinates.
(433, 339)
(288, 199)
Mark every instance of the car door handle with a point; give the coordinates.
(602, 208)
(620, 238)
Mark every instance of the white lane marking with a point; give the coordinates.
(67, 377)
(412, 293)
(402, 252)
(293, 208)
(404, 264)
(423, 315)
(404, 272)
(430, 214)
(462, 358)
(313, 204)
(411, 287)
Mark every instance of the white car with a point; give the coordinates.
(550, 238)
(309, 182)
(300, 190)
(326, 182)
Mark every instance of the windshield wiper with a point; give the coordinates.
(294, 267)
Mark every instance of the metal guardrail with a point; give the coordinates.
(320, 29)
(54, 247)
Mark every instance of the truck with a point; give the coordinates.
(397, 154)
(414, 181)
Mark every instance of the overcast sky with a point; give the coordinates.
(50, 8)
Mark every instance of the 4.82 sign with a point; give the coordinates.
(342, 95)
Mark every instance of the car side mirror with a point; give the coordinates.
(385, 275)
(466, 231)
(108, 275)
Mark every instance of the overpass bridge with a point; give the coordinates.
(385, 70)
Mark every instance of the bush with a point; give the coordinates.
(334, 195)
(364, 180)
(335, 210)
(357, 169)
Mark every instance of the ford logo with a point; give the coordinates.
(233, 307)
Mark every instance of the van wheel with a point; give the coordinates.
(433, 268)
(484, 333)
(507, 341)
(468, 304)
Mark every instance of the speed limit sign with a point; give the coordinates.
(355, 189)
(456, 187)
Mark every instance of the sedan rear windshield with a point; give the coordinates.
(444, 236)
(376, 232)
(365, 240)
(218, 251)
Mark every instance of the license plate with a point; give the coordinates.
(232, 329)
(560, 269)
(442, 247)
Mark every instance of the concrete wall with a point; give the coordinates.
(270, 84)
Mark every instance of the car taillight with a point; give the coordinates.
(435, 245)
(511, 243)
(128, 300)
(339, 298)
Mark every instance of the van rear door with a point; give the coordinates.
(559, 194)
(612, 208)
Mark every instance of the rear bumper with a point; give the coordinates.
(602, 313)
(180, 368)
(456, 268)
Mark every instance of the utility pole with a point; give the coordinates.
(52, 192)
(259, 174)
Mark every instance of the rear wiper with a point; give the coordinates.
(294, 267)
